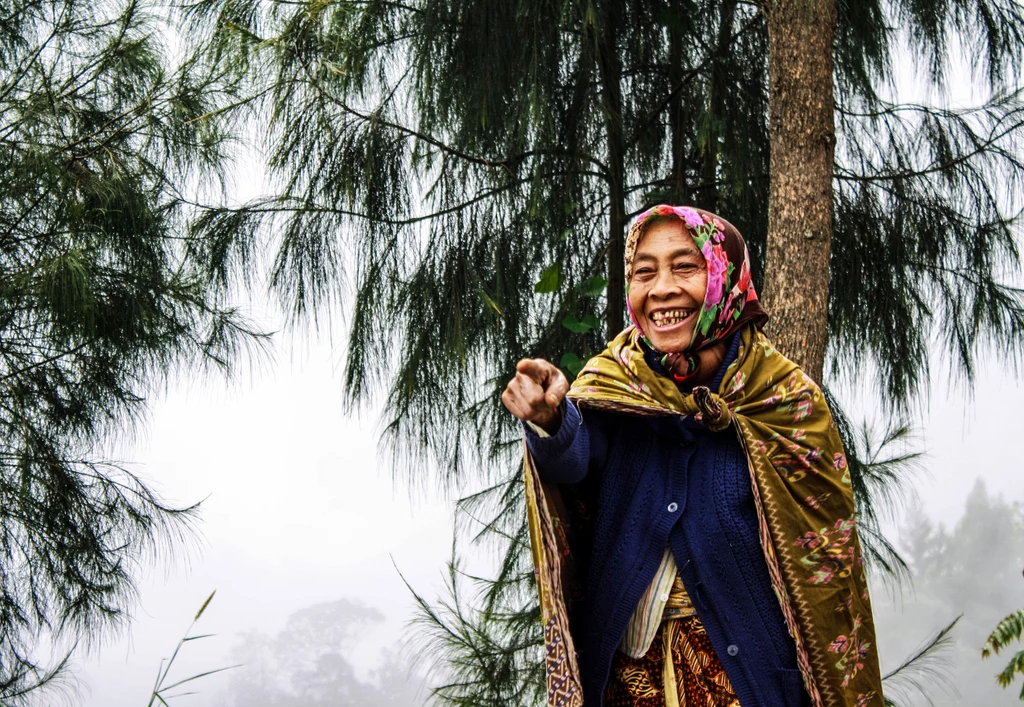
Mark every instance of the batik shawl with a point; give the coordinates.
(801, 490)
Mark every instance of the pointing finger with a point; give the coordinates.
(557, 390)
(512, 402)
(535, 368)
(531, 391)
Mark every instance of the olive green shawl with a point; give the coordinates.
(804, 502)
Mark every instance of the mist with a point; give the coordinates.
(968, 571)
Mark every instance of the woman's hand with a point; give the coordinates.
(536, 393)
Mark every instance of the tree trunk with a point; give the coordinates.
(679, 192)
(610, 69)
(802, 131)
(716, 108)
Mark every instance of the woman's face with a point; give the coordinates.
(668, 284)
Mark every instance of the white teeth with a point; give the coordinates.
(670, 317)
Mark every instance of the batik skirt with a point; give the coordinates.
(680, 669)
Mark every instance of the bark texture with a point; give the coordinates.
(610, 69)
(802, 128)
(716, 107)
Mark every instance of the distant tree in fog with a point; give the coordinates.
(307, 664)
(972, 568)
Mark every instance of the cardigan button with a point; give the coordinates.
(733, 650)
(673, 507)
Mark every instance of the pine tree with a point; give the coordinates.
(454, 165)
(104, 291)
(465, 171)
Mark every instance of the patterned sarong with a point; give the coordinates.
(679, 670)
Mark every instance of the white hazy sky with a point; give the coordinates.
(297, 512)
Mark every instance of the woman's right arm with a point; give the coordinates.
(563, 447)
(574, 449)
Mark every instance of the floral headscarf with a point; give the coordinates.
(730, 301)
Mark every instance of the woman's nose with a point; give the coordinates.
(664, 285)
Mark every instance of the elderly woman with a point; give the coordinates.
(689, 503)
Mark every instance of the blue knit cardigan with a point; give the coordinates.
(661, 481)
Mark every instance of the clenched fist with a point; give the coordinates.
(535, 394)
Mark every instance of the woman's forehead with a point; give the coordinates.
(664, 235)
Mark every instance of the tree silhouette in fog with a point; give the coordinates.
(308, 663)
(972, 568)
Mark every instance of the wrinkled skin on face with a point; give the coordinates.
(668, 285)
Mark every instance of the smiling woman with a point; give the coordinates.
(668, 285)
(688, 283)
(689, 502)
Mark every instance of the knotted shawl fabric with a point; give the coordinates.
(803, 496)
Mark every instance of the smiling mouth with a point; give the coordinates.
(670, 317)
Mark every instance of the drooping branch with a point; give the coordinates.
(716, 106)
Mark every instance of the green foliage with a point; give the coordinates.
(550, 280)
(922, 672)
(587, 324)
(929, 235)
(572, 363)
(483, 657)
(104, 291)
(594, 287)
(430, 152)
(1009, 630)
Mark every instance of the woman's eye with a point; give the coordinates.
(686, 267)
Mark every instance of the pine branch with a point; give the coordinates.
(923, 672)
(1009, 630)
